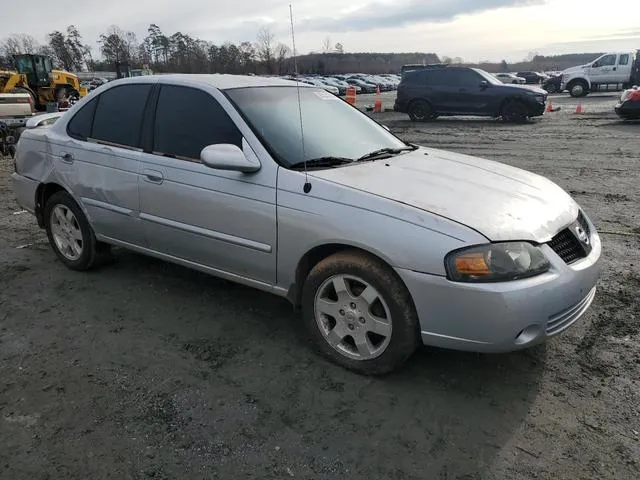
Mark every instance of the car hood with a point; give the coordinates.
(496, 200)
(578, 69)
(519, 88)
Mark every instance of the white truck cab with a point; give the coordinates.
(611, 68)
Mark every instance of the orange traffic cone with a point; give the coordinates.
(579, 109)
(377, 107)
(550, 106)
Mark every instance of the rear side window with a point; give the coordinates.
(80, 125)
(189, 119)
(624, 59)
(428, 77)
(119, 115)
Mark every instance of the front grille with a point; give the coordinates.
(567, 246)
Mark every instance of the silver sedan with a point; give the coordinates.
(382, 244)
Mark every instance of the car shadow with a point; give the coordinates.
(444, 414)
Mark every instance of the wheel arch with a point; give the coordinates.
(43, 193)
(320, 252)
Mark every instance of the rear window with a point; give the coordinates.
(119, 115)
(79, 127)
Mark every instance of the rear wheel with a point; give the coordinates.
(359, 313)
(70, 234)
(420, 111)
(515, 112)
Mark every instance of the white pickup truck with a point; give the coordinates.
(615, 68)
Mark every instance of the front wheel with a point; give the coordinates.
(578, 89)
(515, 112)
(70, 234)
(359, 313)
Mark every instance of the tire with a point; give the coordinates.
(420, 111)
(73, 241)
(514, 111)
(578, 88)
(551, 88)
(388, 336)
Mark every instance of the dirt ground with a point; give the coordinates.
(147, 370)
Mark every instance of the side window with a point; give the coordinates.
(119, 115)
(79, 127)
(440, 77)
(187, 120)
(466, 78)
(624, 59)
(606, 61)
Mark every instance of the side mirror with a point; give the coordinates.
(226, 156)
(484, 84)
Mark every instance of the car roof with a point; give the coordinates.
(216, 80)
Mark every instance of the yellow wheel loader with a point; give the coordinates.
(36, 76)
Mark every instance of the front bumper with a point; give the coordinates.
(24, 190)
(502, 317)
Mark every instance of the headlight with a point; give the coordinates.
(496, 262)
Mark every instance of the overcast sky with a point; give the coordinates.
(472, 29)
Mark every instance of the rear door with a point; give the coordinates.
(100, 159)
(219, 219)
(623, 69)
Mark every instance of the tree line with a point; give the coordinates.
(181, 53)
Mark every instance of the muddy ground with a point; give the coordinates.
(147, 370)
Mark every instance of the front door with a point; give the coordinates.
(219, 219)
(603, 70)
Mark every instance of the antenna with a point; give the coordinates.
(307, 185)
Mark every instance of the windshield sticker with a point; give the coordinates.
(324, 95)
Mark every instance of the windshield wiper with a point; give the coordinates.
(322, 162)
(385, 151)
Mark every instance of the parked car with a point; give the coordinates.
(532, 78)
(553, 84)
(628, 107)
(318, 83)
(341, 83)
(483, 256)
(365, 86)
(428, 93)
(342, 88)
(509, 78)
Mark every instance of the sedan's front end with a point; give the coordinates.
(509, 295)
(628, 107)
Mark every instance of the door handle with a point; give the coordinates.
(66, 157)
(153, 176)
(614, 68)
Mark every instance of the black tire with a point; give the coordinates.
(93, 253)
(551, 88)
(405, 332)
(578, 88)
(420, 111)
(514, 111)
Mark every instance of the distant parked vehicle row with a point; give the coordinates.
(338, 84)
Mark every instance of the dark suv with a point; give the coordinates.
(428, 93)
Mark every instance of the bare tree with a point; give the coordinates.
(282, 51)
(326, 45)
(266, 48)
(18, 43)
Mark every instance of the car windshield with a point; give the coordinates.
(488, 77)
(332, 128)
